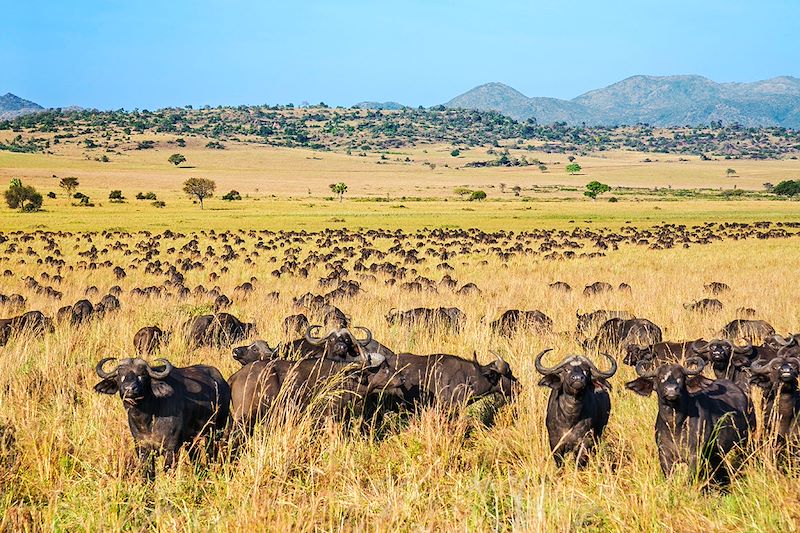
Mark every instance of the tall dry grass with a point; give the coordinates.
(69, 463)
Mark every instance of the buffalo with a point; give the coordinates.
(167, 407)
(598, 287)
(295, 324)
(778, 379)
(149, 339)
(579, 405)
(34, 322)
(449, 318)
(706, 305)
(450, 381)
(257, 386)
(217, 330)
(752, 330)
(700, 421)
(514, 320)
(658, 353)
(256, 351)
(728, 360)
(588, 321)
(618, 333)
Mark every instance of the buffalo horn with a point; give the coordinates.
(608, 373)
(311, 339)
(543, 370)
(641, 372)
(699, 347)
(164, 373)
(368, 338)
(693, 366)
(102, 373)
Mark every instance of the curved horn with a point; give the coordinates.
(783, 341)
(641, 372)
(368, 338)
(696, 348)
(757, 367)
(311, 339)
(543, 370)
(160, 375)
(748, 348)
(102, 373)
(608, 373)
(784, 349)
(697, 364)
(502, 366)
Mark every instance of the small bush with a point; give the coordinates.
(477, 195)
(231, 196)
(116, 196)
(787, 188)
(159, 204)
(51, 195)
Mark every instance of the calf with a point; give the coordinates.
(579, 405)
(700, 421)
(167, 407)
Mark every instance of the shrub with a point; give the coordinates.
(51, 195)
(116, 196)
(787, 188)
(455, 153)
(231, 196)
(23, 197)
(159, 204)
(477, 195)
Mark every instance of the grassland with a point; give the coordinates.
(69, 466)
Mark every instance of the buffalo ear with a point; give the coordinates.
(695, 384)
(641, 386)
(107, 386)
(551, 380)
(760, 380)
(161, 389)
(601, 384)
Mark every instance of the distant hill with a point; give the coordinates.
(379, 105)
(13, 106)
(655, 100)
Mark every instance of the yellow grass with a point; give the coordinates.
(70, 467)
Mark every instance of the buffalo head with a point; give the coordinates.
(340, 344)
(669, 381)
(257, 351)
(134, 379)
(574, 374)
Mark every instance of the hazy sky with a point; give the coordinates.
(112, 54)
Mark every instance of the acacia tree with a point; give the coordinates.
(339, 189)
(176, 159)
(69, 184)
(23, 197)
(573, 168)
(595, 188)
(200, 188)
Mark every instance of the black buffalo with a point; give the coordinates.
(728, 360)
(658, 353)
(514, 320)
(578, 407)
(588, 321)
(778, 379)
(449, 318)
(167, 407)
(32, 322)
(450, 381)
(618, 333)
(752, 330)
(700, 421)
(149, 339)
(258, 386)
(706, 305)
(217, 330)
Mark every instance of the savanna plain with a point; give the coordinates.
(67, 457)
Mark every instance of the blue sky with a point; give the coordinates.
(112, 54)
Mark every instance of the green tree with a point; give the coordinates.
(116, 196)
(573, 168)
(200, 188)
(730, 172)
(787, 188)
(233, 195)
(543, 168)
(339, 189)
(516, 189)
(595, 188)
(69, 184)
(176, 159)
(23, 197)
(456, 152)
(477, 195)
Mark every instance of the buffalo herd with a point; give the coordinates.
(329, 368)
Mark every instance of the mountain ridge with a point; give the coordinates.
(657, 100)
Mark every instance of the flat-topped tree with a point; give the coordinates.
(200, 188)
(69, 184)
